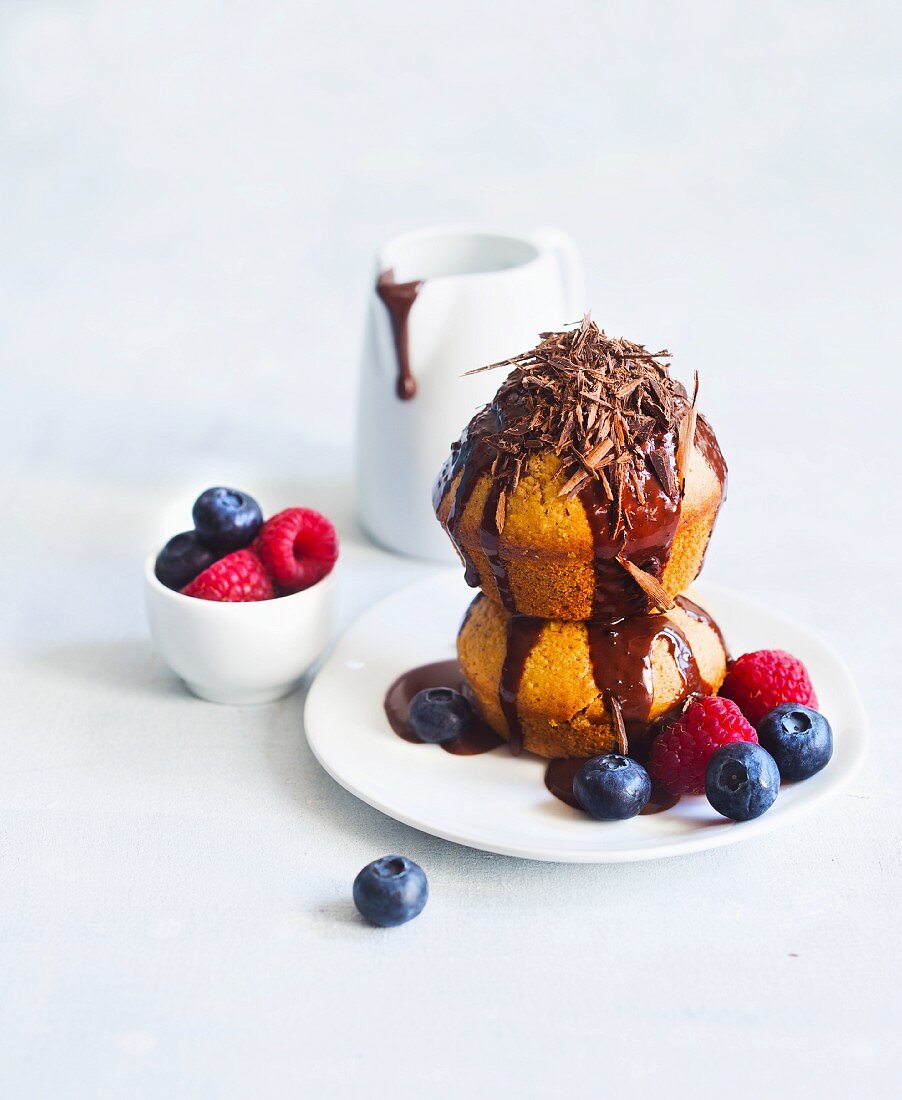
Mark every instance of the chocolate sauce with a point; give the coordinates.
(490, 541)
(659, 801)
(470, 458)
(398, 299)
(621, 664)
(649, 516)
(479, 737)
(522, 634)
(621, 656)
(559, 776)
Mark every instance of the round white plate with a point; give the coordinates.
(498, 802)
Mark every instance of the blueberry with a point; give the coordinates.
(798, 738)
(391, 891)
(612, 787)
(182, 558)
(227, 519)
(439, 714)
(742, 780)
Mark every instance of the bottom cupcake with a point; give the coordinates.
(579, 689)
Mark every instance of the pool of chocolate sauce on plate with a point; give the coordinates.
(398, 299)
(559, 776)
(621, 661)
(479, 737)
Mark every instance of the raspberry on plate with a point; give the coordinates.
(236, 578)
(298, 547)
(680, 753)
(757, 682)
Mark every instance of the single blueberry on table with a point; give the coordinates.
(439, 714)
(798, 738)
(612, 787)
(182, 559)
(742, 780)
(391, 891)
(227, 519)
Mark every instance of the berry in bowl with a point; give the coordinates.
(280, 572)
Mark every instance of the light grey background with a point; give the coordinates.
(191, 194)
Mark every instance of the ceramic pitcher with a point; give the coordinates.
(445, 301)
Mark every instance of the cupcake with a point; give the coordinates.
(589, 487)
(559, 688)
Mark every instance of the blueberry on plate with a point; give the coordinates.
(742, 780)
(227, 519)
(391, 891)
(182, 559)
(439, 714)
(798, 738)
(612, 787)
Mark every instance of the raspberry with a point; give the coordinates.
(760, 681)
(236, 578)
(298, 547)
(680, 754)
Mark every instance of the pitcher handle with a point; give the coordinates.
(562, 246)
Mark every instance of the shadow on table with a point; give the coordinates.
(122, 666)
(343, 823)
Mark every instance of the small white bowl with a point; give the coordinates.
(241, 653)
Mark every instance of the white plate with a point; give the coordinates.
(499, 803)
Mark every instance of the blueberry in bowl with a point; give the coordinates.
(391, 891)
(612, 787)
(742, 780)
(799, 738)
(227, 519)
(182, 559)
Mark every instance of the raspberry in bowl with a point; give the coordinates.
(241, 608)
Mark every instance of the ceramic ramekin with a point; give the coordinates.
(241, 653)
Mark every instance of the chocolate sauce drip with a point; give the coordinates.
(471, 457)
(641, 526)
(398, 299)
(490, 541)
(559, 776)
(706, 441)
(621, 665)
(522, 634)
(479, 737)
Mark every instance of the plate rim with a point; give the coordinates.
(702, 840)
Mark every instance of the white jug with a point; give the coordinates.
(445, 301)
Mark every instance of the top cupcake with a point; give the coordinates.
(589, 487)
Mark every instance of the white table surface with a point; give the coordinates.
(191, 196)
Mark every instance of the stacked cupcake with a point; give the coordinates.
(581, 502)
